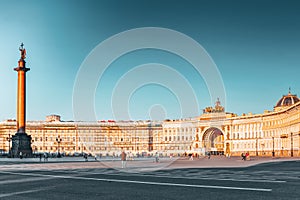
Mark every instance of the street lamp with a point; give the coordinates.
(58, 140)
(32, 141)
(256, 146)
(298, 142)
(273, 152)
(292, 154)
(135, 139)
(262, 148)
(9, 139)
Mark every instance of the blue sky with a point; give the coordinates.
(255, 45)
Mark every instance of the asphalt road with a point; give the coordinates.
(279, 180)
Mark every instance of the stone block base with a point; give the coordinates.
(21, 145)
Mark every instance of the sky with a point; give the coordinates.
(255, 46)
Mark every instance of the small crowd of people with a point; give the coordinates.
(245, 156)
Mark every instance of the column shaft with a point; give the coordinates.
(21, 102)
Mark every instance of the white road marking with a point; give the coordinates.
(22, 192)
(143, 182)
(24, 180)
(191, 178)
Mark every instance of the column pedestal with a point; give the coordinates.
(21, 145)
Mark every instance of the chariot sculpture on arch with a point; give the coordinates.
(22, 51)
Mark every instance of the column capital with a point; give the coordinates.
(21, 66)
(25, 69)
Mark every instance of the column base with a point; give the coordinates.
(21, 145)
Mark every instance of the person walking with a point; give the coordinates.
(208, 155)
(192, 157)
(123, 159)
(156, 157)
(85, 156)
(247, 156)
(45, 157)
(243, 156)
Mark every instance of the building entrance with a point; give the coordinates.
(213, 141)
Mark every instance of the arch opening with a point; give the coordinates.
(213, 141)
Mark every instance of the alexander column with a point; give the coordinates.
(21, 142)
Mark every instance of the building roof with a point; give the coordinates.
(287, 100)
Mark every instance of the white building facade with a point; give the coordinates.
(273, 133)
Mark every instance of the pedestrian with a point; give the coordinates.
(123, 159)
(227, 155)
(45, 157)
(243, 156)
(156, 157)
(247, 156)
(192, 157)
(40, 155)
(85, 157)
(21, 155)
(208, 155)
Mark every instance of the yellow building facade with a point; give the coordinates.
(271, 133)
